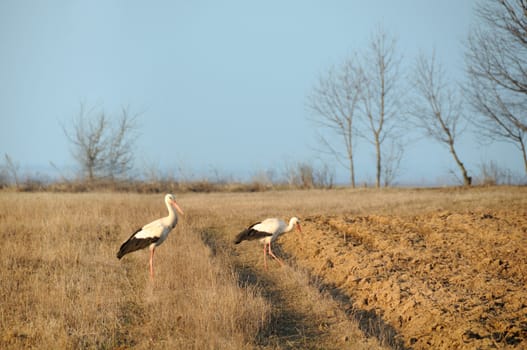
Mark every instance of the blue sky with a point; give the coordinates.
(221, 86)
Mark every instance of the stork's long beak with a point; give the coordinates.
(177, 207)
(298, 227)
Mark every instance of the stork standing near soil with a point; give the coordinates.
(267, 231)
(153, 234)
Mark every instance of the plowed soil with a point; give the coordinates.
(442, 279)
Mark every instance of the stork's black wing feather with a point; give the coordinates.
(133, 244)
(250, 234)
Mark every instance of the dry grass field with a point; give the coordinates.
(63, 287)
(435, 268)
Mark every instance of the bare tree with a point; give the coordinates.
(333, 103)
(120, 155)
(437, 109)
(380, 98)
(12, 168)
(324, 176)
(308, 175)
(392, 157)
(496, 60)
(102, 150)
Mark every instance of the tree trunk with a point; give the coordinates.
(349, 142)
(378, 150)
(524, 153)
(352, 172)
(467, 180)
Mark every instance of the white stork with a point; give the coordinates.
(153, 234)
(267, 231)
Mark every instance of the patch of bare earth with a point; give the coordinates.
(441, 279)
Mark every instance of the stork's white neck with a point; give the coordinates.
(172, 215)
(291, 225)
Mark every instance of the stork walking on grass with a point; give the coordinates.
(152, 234)
(267, 231)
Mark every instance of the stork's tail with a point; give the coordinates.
(126, 247)
(241, 236)
(120, 254)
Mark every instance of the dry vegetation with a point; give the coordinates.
(62, 286)
(410, 268)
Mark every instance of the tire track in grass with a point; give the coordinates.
(288, 328)
(302, 318)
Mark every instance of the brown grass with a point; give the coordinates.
(62, 286)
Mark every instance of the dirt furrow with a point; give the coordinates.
(441, 279)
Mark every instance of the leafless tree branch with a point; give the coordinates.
(333, 104)
(436, 108)
(496, 59)
(380, 98)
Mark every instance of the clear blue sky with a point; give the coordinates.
(220, 85)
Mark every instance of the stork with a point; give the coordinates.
(267, 231)
(152, 234)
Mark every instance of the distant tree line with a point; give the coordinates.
(367, 97)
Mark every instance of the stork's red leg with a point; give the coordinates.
(274, 256)
(265, 255)
(152, 249)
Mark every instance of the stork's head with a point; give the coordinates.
(296, 222)
(170, 199)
